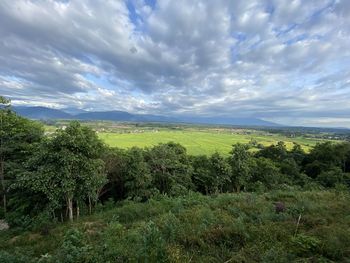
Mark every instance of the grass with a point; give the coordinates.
(198, 142)
(224, 228)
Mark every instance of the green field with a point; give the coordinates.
(198, 142)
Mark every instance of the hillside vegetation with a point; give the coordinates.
(241, 227)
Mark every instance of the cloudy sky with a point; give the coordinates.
(286, 61)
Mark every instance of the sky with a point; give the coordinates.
(286, 61)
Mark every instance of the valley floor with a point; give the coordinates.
(200, 142)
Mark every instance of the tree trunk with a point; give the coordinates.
(70, 209)
(78, 210)
(90, 209)
(238, 188)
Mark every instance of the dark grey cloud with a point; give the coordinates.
(281, 60)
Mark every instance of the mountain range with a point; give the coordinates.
(44, 113)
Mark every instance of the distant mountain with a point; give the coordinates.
(228, 121)
(107, 116)
(71, 113)
(41, 113)
(123, 116)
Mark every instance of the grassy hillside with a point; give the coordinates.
(198, 142)
(225, 228)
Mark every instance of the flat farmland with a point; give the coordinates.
(199, 142)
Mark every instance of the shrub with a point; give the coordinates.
(153, 245)
(74, 248)
(169, 226)
(17, 219)
(335, 242)
(276, 254)
(304, 245)
(6, 257)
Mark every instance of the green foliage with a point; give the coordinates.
(73, 249)
(304, 245)
(335, 241)
(265, 171)
(276, 152)
(220, 170)
(240, 166)
(160, 218)
(66, 168)
(212, 174)
(18, 140)
(170, 168)
(238, 227)
(203, 179)
(6, 257)
(138, 179)
(332, 177)
(153, 245)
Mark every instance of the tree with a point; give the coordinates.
(67, 168)
(18, 139)
(297, 153)
(170, 168)
(343, 153)
(211, 174)
(276, 152)
(290, 168)
(332, 177)
(138, 181)
(266, 172)
(326, 156)
(220, 170)
(4, 103)
(202, 177)
(116, 166)
(240, 166)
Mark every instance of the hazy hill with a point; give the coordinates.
(71, 113)
(41, 113)
(228, 121)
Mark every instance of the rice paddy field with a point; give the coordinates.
(199, 142)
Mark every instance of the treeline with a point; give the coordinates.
(71, 172)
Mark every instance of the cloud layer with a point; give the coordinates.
(281, 60)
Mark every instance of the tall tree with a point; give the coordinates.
(116, 165)
(266, 172)
(170, 168)
(18, 137)
(220, 170)
(68, 168)
(241, 166)
(202, 177)
(276, 152)
(138, 181)
(5, 104)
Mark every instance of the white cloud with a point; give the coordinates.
(271, 58)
